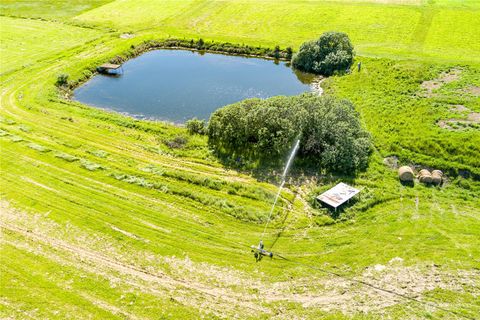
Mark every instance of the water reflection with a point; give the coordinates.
(177, 85)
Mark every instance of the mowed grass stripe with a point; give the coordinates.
(115, 295)
(36, 290)
(24, 38)
(107, 138)
(141, 223)
(84, 205)
(176, 186)
(48, 9)
(376, 29)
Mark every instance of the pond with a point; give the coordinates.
(177, 85)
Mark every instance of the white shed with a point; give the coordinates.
(338, 195)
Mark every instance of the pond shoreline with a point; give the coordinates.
(227, 48)
(67, 91)
(165, 44)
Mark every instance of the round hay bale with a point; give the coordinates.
(424, 176)
(405, 174)
(437, 176)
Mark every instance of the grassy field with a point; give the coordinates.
(101, 219)
(26, 38)
(48, 9)
(387, 30)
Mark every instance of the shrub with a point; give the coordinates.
(225, 47)
(264, 130)
(62, 80)
(86, 74)
(330, 53)
(276, 52)
(196, 126)
(289, 53)
(177, 143)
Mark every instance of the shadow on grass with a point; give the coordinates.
(302, 172)
(282, 224)
(409, 184)
(267, 170)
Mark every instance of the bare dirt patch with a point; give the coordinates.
(474, 90)
(472, 122)
(474, 117)
(445, 77)
(459, 108)
(456, 124)
(316, 85)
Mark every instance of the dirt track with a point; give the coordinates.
(192, 285)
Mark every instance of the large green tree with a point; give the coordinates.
(264, 130)
(332, 52)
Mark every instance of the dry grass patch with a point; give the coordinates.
(472, 122)
(445, 77)
(459, 108)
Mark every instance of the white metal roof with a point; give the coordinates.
(338, 194)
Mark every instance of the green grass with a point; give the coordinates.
(432, 32)
(35, 40)
(112, 223)
(48, 9)
(403, 120)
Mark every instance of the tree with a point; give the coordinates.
(62, 80)
(332, 52)
(276, 52)
(289, 53)
(263, 131)
(196, 126)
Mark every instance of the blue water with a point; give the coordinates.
(177, 85)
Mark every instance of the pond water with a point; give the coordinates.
(177, 85)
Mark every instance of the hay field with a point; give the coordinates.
(47, 9)
(100, 219)
(23, 41)
(387, 29)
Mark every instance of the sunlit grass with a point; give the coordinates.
(109, 185)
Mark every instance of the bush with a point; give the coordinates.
(225, 47)
(330, 53)
(259, 130)
(62, 80)
(276, 52)
(196, 126)
(289, 53)
(177, 143)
